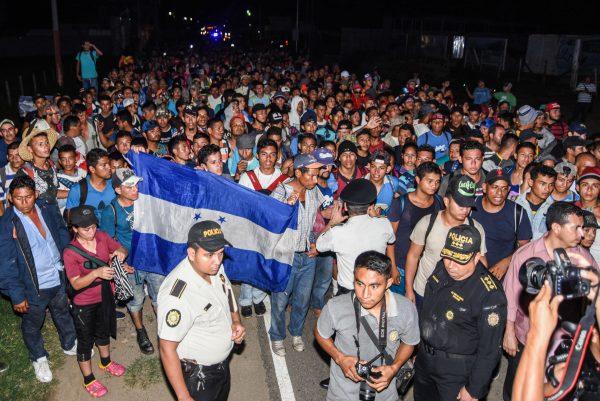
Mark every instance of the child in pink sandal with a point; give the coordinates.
(86, 261)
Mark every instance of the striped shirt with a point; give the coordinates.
(585, 92)
(307, 212)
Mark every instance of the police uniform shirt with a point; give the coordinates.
(465, 317)
(338, 317)
(196, 314)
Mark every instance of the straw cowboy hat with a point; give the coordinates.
(24, 151)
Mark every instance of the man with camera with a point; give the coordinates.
(565, 230)
(375, 333)
(462, 321)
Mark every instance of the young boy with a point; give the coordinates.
(68, 172)
(454, 153)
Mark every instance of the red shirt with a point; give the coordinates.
(105, 245)
(343, 181)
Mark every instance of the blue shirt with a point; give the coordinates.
(87, 61)
(45, 253)
(440, 143)
(482, 95)
(500, 230)
(391, 185)
(120, 228)
(94, 198)
(3, 153)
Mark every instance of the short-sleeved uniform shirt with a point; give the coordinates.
(338, 317)
(196, 314)
(500, 230)
(433, 248)
(359, 234)
(74, 266)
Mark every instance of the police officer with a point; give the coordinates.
(198, 320)
(462, 323)
(371, 324)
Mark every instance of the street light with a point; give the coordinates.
(170, 13)
(248, 13)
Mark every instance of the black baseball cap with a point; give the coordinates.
(462, 189)
(258, 107)
(573, 141)
(347, 146)
(462, 243)
(528, 134)
(496, 175)
(83, 216)
(208, 235)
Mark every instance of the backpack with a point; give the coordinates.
(518, 214)
(432, 222)
(258, 187)
(83, 193)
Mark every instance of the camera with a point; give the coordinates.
(366, 393)
(588, 381)
(565, 278)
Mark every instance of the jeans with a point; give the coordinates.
(297, 293)
(90, 83)
(32, 322)
(251, 295)
(323, 276)
(137, 280)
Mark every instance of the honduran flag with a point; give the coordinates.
(172, 198)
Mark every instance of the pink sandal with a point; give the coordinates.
(115, 369)
(96, 389)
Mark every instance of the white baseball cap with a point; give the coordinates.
(345, 74)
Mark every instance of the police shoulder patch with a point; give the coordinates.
(173, 318)
(178, 288)
(488, 283)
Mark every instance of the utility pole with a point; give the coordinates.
(56, 38)
(297, 32)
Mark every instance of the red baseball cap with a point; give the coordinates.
(590, 172)
(552, 106)
(438, 116)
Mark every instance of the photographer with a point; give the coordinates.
(565, 230)
(543, 312)
(368, 311)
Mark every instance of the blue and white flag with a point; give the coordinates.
(172, 198)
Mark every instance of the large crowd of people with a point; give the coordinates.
(415, 208)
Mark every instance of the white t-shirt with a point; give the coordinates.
(264, 179)
(359, 234)
(421, 129)
(433, 248)
(214, 101)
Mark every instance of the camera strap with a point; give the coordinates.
(576, 355)
(381, 341)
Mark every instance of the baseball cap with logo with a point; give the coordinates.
(496, 175)
(552, 106)
(461, 189)
(437, 116)
(347, 146)
(83, 216)
(462, 243)
(278, 94)
(125, 176)
(208, 235)
(191, 110)
(275, 117)
(306, 161)
(7, 121)
(565, 168)
(324, 156)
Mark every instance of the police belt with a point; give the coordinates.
(192, 368)
(432, 351)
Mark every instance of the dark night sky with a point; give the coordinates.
(573, 16)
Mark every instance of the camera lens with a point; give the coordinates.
(367, 393)
(532, 275)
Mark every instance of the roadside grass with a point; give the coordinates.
(19, 382)
(143, 372)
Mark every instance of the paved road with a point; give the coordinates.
(257, 374)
